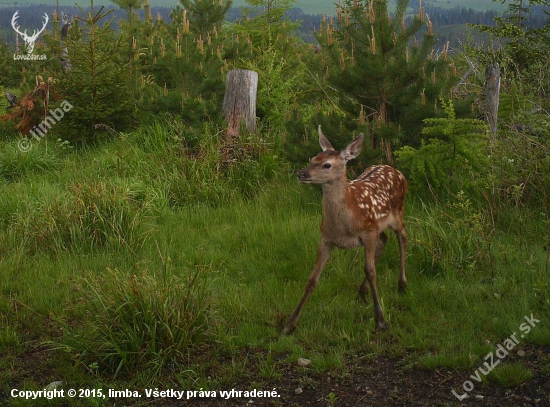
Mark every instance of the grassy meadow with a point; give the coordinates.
(140, 262)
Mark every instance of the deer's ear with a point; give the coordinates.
(353, 149)
(323, 141)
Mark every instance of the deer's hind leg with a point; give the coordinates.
(401, 234)
(380, 244)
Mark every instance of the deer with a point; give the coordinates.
(29, 39)
(355, 213)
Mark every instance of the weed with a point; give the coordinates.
(510, 375)
(331, 399)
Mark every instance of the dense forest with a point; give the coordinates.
(153, 238)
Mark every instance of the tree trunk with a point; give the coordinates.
(492, 76)
(239, 103)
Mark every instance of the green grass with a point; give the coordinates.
(73, 277)
(510, 375)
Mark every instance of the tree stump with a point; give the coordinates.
(239, 103)
(492, 77)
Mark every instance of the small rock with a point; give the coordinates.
(521, 353)
(298, 390)
(54, 385)
(304, 362)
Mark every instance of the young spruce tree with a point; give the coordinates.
(187, 61)
(381, 69)
(98, 86)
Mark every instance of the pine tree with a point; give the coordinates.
(184, 63)
(380, 67)
(206, 16)
(98, 86)
(273, 52)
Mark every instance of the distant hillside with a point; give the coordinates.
(308, 6)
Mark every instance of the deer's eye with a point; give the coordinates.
(327, 165)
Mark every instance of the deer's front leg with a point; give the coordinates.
(323, 254)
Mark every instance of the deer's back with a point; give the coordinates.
(379, 191)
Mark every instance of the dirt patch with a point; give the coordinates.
(379, 381)
(388, 382)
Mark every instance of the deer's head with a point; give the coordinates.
(330, 164)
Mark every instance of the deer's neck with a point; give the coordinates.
(335, 202)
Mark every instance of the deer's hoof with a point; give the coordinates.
(381, 326)
(288, 329)
(402, 287)
(363, 295)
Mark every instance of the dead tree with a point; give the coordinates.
(492, 77)
(239, 103)
(65, 61)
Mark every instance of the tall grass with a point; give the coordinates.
(15, 164)
(81, 218)
(140, 323)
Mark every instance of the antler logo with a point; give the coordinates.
(29, 40)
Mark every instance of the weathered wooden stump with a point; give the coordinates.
(492, 77)
(239, 103)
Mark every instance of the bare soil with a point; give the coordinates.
(388, 382)
(380, 381)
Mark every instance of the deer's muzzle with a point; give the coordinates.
(303, 176)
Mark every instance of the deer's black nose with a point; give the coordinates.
(303, 175)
